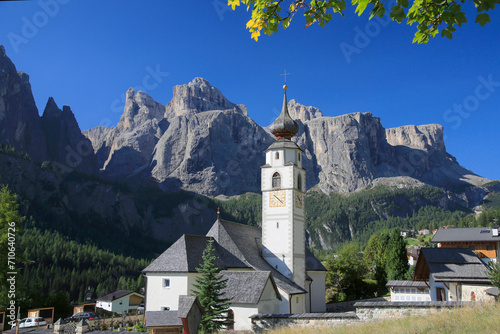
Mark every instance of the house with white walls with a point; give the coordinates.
(120, 301)
(453, 274)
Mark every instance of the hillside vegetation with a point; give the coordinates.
(335, 219)
(478, 319)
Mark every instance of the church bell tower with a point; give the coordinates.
(283, 187)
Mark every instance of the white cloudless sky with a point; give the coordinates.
(86, 54)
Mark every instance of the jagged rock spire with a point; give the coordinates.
(284, 126)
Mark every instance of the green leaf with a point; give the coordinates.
(482, 19)
(361, 6)
(285, 23)
(378, 10)
(397, 14)
(446, 33)
(403, 3)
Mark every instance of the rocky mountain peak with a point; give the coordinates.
(139, 107)
(427, 137)
(64, 140)
(19, 119)
(301, 112)
(198, 96)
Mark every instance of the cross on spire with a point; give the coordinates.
(285, 86)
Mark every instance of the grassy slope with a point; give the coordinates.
(479, 319)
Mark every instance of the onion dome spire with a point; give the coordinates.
(284, 126)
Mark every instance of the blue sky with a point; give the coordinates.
(88, 53)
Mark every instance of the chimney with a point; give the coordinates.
(494, 231)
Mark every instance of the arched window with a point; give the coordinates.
(276, 180)
(298, 153)
(230, 319)
(299, 182)
(277, 155)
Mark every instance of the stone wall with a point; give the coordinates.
(479, 293)
(368, 311)
(261, 323)
(365, 312)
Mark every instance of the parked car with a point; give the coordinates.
(31, 322)
(83, 315)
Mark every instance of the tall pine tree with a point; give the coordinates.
(209, 286)
(396, 258)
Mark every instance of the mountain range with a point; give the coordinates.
(201, 144)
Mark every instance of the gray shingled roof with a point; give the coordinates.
(162, 319)
(312, 263)
(245, 242)
(185, 255)
(246, 287)
(464, 234)
(283, 143)
(494, 291)
(406, 284)
(115, 295)
(455, 265)
(185, 305)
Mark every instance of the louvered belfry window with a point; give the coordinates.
(276, 180)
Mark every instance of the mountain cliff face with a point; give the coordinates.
(19, 119)
(202, 142)
(65, 142)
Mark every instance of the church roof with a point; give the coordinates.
(283, 144)
(185, 255)
(246, 287)
(284, 126)
(237, 246)
(246, 241)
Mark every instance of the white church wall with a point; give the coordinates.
(298, 303)
(160, 297)
(269, 302)
(318, 302)
(242, 313)
(284, 306)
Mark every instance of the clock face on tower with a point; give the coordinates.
(298, 200)
(277, 199)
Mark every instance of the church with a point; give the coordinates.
(269, 270)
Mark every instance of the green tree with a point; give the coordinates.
(430, 16)
(375, 257)
(344, 278)
(494, 273)
(396, 259)
(10, 224)
(209, 290)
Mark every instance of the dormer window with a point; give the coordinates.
(276, 180)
